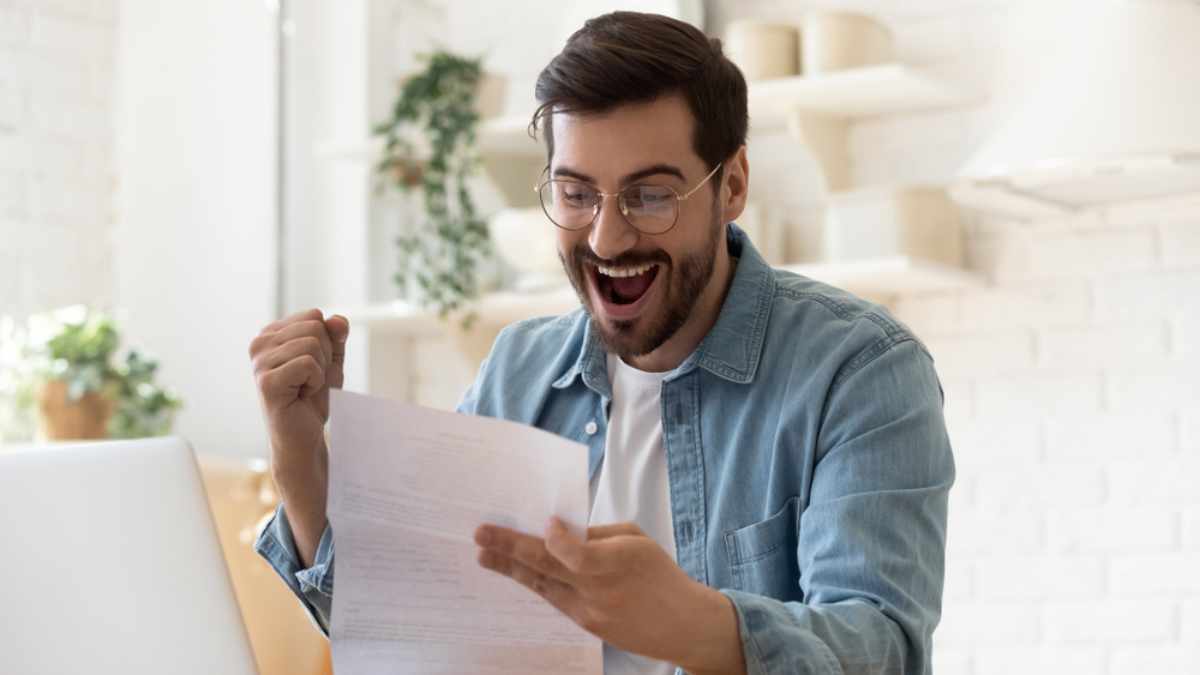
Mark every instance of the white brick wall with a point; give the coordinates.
(56, 157)
(1081, 445)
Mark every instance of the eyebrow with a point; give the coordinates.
(652, 170)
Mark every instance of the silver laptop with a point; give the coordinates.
(110, 563)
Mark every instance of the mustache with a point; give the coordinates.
(582, 253)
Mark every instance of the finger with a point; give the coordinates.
(302, 329)
(565, 546)
(287, 351)
(307, 314)
(338, 328)
(297, 378)
(606, 552)
(554, 591)
(613, 530)
(526, 549)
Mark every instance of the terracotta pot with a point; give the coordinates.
(59, 418)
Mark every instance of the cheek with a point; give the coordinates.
(567, 241)
(679, 243)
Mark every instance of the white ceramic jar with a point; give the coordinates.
(916, 222)
(525, 239)
(833, 41)
(763, 50)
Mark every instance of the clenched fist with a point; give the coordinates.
(296, 361)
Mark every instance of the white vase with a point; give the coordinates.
(914, 222)
(525, 239)
(833, 41)
(763, 50)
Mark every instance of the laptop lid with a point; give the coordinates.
(111, 564)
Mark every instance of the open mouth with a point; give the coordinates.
(625, 286)
(622, 290)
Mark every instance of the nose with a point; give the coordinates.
(611, 234)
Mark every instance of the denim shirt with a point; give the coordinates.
(808, 463)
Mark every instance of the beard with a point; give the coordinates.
(685, 280)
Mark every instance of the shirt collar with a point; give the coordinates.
(733, 346)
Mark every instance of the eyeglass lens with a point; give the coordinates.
(574, 205)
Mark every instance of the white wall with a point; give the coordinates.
(194, 245)
(56, 154)
(1070, 378)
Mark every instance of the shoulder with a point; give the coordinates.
(848, 329)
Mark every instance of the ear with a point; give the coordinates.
(735, 182)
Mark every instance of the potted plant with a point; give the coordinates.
(63, 368)
(436, 114)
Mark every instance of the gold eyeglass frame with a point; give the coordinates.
(620, 202)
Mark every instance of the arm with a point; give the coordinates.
(872, 538)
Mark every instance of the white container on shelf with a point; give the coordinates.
(833, 41)
(915, 222)
(525, 239)
(763, 50)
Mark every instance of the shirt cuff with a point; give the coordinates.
(771, 637)
(312, 585)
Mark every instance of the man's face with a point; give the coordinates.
(638, 288)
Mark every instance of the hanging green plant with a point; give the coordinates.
(441, 253)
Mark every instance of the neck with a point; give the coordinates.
(671, 353)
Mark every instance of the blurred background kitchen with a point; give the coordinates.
(1018, 181)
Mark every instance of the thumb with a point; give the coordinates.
(563, 545)
(338, 327)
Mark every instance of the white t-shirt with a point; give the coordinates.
(631, 484)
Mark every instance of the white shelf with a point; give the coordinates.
(851, 94)
(497, 136)
(499, 308)
(883, 277)
(888, 276)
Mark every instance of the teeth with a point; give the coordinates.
(623, 271)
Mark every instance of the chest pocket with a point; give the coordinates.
(762, 556)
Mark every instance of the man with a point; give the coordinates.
(768, 459)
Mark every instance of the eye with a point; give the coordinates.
(649, 197)
(576, 195)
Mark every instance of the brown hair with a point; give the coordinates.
(633, 57)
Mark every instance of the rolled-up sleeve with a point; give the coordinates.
(312, 585)
(871, 541)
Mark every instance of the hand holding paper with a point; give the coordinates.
(621, 586)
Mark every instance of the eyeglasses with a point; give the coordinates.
(650, 209)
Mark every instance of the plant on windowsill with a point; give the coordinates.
(62, 368)
(440, 254)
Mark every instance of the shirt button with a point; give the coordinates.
(590, 428)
